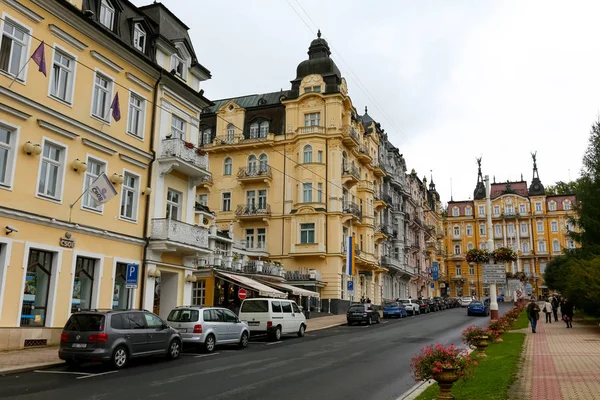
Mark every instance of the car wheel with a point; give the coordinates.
(119, 357)
(244, 340)
(174, 349)
(276, 335)
(378, 320)
(301, 330)
(210, 343)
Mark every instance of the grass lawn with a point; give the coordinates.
(521, 322)
(492, 377)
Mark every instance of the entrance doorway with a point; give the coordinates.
(165, 294)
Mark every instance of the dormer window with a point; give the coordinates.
(178, 66)
(107, 14)
(139, 37)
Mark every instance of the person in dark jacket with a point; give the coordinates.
(533, 314)
(566, 309)
(555, 305)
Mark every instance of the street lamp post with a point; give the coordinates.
(490, 246)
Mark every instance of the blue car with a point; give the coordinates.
(394, 309)
(478, 308)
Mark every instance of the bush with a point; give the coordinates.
(472, 333)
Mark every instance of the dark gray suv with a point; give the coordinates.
(116, 336)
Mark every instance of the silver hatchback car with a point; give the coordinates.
(116, 336)
(208, 327)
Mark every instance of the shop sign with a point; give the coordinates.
(67, 241)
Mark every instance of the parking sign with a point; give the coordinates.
(131, 277)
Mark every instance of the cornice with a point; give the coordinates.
(26, 11)
(106, 61)
(57, 129)
(14, 112)
(98, 146)
(59, 33)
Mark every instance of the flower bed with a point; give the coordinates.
(472, 334)
(433, 359)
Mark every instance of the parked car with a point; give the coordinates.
(208, 327)
(362, 313)
(454, 302)
(478, 308)
(499, 299)
(465, 301)
(412, 308)
(394, 309)
(423, 307)
(432, 304)
(273, 317)
(442, 305)
(116, 336)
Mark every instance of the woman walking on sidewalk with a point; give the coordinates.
(555, 304)
(566, 309)
(533, 314)
(548, 311)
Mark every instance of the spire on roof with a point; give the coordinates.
(366, 109)
(319, 33)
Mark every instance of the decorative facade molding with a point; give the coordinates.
(14, 112)
(106, 61)
(168, 91)
(98, 146)
(27, 12)
(133, 161)
(57, 129)
(138, 81)
(59, 33)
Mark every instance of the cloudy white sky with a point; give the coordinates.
(449, 80)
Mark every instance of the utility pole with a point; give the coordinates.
(490, 246)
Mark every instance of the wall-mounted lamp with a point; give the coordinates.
(154, 273)
(78, 165)
(191, 279)
(31, 148)
(147, 191)
(10, 229)
(117, 179)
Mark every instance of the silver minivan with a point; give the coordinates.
(208, 327)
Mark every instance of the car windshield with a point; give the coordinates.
(183, 315)
(392, 304)
(255, 306)
(85, 323)
(405, 301)
(476, 303)
(358, 307)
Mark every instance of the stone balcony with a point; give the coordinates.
(247, 212)
(350, 136)
(312, 129)
(176, 154)
(350, 175)
(259, 174)
(351, 208)
(171, 235)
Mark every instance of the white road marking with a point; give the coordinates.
(272, 343)
(384, 322)
(61, 372)
(207, 355)
(95, 375)
(366, 326)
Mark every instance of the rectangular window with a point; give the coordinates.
(522, 209)
(262, 199)
(538, 207)
(458, 270)
(527, 269)
(103, 87)
(94, 169)
(129, 196)
(227, 201)
(556, 246)
(540, 226)
(509, 210)
(471, 269)
(13, 48)
(261, 238)
(482, 229)
(174, 203)
(203, 199)
(468, 211)
(139, 37)
(177, 128)
(552, 206)
(251, 198)
(8, 141)
(37, 287)
(199, 293)
(307, 192)
(481, 211)
(51, 171)
(456, 231)
(511, 229)
(498, 230)
(120, 298)
(250, 238)
(525, 247)
(554, 225)
(496, 211)
(61, 79)
(319, 156)
(83, 284)
(313, 119)
(542, 246)
(107, 14)
(524, 227)
(469, 230)
(320, 192)
(307, 233)
(137, 110)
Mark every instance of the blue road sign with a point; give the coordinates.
(435, 266)
(433, 285)
(350, 286)
(131, 277)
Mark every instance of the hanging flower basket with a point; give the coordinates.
(477, 256)
(504, 254)
(189, 145)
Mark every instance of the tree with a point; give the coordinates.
(583, 284)
(557, 272)
(561, 187)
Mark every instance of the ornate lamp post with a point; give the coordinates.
(490, 248)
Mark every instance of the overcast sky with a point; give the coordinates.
(448, 80)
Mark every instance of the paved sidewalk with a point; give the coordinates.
(559, 363)
(325, 322)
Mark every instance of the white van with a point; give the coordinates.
(272, 316)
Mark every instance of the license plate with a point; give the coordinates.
(182, 330)
(80, 345)
(357, 313)
(253, 323)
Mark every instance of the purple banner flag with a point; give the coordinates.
(39, 58)
(116, 109)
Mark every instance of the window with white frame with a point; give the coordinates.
(541, 246)
(101, 98)
(540, 226)
(496, 210)
(320, 192)
(555, 246)
(538, 207)
(226, 202)
(107, 14)
(455, 212)
(137, 110)
(471, 269)
(177, 127)
(174, 204)
(524, 229)
(468, 211)
(227, 166)
(264, 129)
(262, 199)
(261, 238)
(51, 171)
(481, 210)
(552, 206)
(307, 192)
(509, 210)
(498, 230)
(313, 119)
(13, 48)
(456, 249)
(199, 292)
(482, 229)
(483, 245)
(307, 153)
(470, 246)
(94, 169)
(8, 142)
(567, 205)
(62, 76)
(456, 230)
(252, 164)
(251, 198)
(230, 133)
(129, 196)
(510, 229)
(458, 270)
(207, 136)
(139, 37)
(307, 233)
(469, 230)
(178, 66)
(263, 162)
(526, 247)
(554, 226)
(523, 208)
(250, 238)
(254, 130)
(203, 199)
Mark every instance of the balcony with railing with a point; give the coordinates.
(350, 175)
(366, 186)
(255, 174)
(206, 182)
(303, 275)
(171, 235)
(264, 268)
(363, 154)
(350, 207)
(378, 168)
(179, 155)
(312, 129)
(350, 136)
(250, 247)
(225, 140)
(252, 211)
(382, 232)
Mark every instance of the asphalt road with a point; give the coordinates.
(346, 362)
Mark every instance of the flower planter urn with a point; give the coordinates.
(445, 380)
(481, 344)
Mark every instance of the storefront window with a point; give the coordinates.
(199, 293)
(37, 286)
(120, 292)
(83, 284)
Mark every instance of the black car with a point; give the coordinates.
(440, 303)
(362, 313)
(423, 307)
(433, 306)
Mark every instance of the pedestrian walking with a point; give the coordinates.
(548, 312)
(566, 309)
(533, 314)
(555, 304)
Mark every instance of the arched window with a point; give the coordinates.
(230, 133)
(344, 160)
(455, 211)
(457, 249)
(308, 153)
(227, 166)
(264, 161)
(254, 130)
(207, 136)
(264, 129)
(252, 164)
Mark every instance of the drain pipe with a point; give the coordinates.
(147, 208)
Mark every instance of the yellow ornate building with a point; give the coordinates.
(61, 251)
(524, 218)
